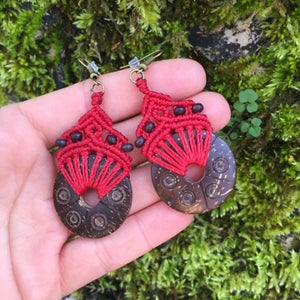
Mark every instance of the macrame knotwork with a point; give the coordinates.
(174, 135)
(92, 156)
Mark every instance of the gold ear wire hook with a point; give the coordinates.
(151, 57)
(94, 73)
(136, 63)
(84, 63)
(92, 68)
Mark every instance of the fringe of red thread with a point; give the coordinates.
(192, 130)
(110, 166)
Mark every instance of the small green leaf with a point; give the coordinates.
(240, 107)
(254, 131)
(244, 126)
(248, 96)
(256, 122)
(233, 136)
(252, 107)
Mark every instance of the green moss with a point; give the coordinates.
(24, 71)
(235, 251)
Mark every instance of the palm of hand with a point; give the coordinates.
(33, 234)
(36, 261)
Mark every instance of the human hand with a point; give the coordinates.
(36, 261)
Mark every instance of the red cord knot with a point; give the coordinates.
(97, 98)
(142, 85)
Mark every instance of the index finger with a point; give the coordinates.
(53, 113)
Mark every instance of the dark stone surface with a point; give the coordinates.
(233, 42)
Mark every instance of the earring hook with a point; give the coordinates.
(143, 62)
(94, 73)
(91, 67)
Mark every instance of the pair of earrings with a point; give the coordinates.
(172, 135)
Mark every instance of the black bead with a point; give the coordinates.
(140, 141)
(149, 127)
(127, 147)
(61, 143)
(76, 136)
(197, 107)
(111, 139)
(179, 110)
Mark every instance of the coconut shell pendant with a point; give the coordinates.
(92, 156)
(174, 135)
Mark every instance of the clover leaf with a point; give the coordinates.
(252, 107)
(256, 121)
(244, 126)
(240, 107)
(248, 96)
(255, 131)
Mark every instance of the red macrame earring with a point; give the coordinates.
(174, 135)
(92, 156)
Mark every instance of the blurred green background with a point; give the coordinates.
(249, 248)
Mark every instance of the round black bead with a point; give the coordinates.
(140, 141)
(111, 139)
(61, 143)
(127, 147)
(197, 108)
(179, 110)
(149, 127)
(76, 136)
